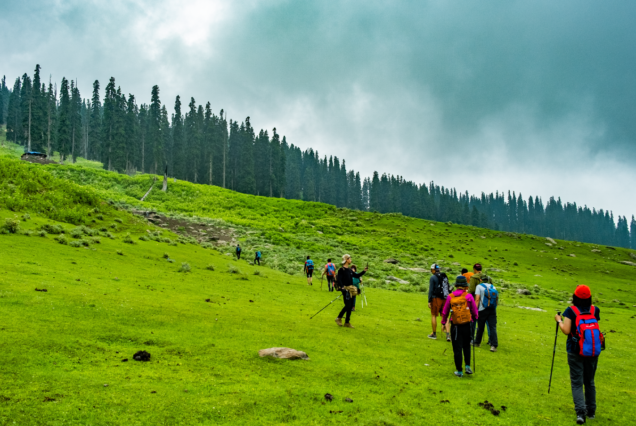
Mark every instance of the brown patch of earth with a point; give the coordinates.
(201, 231)
(36, 159)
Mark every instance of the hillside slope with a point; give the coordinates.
(105, 300)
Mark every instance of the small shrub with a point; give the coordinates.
(233, 269)
(118, 220)
(61, 239)
(103, 229)
(165, 240)
(185, 267)
(42, 233)
(144, 238)
(173, 243)
(95, 240)
(12, 226)
(166, 256)
(26, 217)
(210, 267)
(257, 272)
(109, 235)
(128, 239)
(75, 243)
(77, 232)
(243, 278)
(207, 245)
(100, 216)
(28, 233)
(113, 226)
(119, 252)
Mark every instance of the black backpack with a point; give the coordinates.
(443, 287)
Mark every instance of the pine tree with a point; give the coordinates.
(132, 130)
(26, 98)
(51, 119)
(64, 122)
(76, 121)
(14, 113)
(155, 138)
(109, 124)
(632, 233)
(38, 113)
(178, 142)
(94, 141)
(262, 163)
(3, 100)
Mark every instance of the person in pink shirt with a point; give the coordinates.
(462, 309)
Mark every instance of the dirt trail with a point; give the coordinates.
(201, 231)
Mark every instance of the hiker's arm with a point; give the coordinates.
(357, 274)
(430, 291)
(477, 298)
(565, 325)
(445, 310)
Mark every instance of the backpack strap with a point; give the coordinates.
(593, 310)
(576, 310)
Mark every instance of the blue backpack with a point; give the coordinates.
(309, 264)
(258, 254)
(491, 296)
(331, 270)
(238, 249)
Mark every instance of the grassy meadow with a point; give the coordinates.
(117, 284)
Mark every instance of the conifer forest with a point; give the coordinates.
(200, 145)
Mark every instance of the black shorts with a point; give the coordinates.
(330, 279)
(310, 272)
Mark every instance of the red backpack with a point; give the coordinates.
(587, 334)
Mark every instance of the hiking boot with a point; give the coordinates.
(339, 322)
(591, 414)
(348, 325)
(469, 370)
(458, 374)
(353, 309)
(448, 339)
(580, 419)
(432, 336)
(493, 349)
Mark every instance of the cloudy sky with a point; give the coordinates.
(533, 96)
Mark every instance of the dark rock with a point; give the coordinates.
(392, 261)
(329, 397)
(141, 356)
(348, 400)
(124, 360)
(41, 289)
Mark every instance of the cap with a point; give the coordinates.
(582, 292)
(485, 278)
(435, 266)
(460, 281)
(477, 266)
(345, 257)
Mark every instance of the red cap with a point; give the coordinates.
(582, 292)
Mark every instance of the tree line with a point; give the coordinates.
(198, 145)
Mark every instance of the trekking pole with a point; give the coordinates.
(556, 335)
(326, 306)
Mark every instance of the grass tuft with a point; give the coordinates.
(185, 267)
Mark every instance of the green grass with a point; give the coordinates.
(60, 347)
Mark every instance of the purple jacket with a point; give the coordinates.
(470, 300)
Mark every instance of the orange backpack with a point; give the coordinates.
(461, 312)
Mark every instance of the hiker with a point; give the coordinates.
(583, 350)
(330, 271)
(356, 284)
(238, 252)
(344, 281)
(467, 274)
(473, 282)
(257, 258)
(309, 270)
(487, 298)
(464, 313)
(437, 294)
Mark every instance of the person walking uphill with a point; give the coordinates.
(584, 344)
(257, 258)
(330, 271)
(309, 270)
(437, 293)
(238, 252)
(464, 314)
(344, 282)
(487, 299)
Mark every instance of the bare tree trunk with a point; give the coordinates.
(29, 131)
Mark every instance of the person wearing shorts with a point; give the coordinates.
(330, 271)
(309, 270)
(436, 301)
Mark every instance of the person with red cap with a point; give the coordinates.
(583, 350)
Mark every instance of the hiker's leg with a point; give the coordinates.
(457, 348)
(354, 301)
(349, 306)
(576, 381)
(588, 381)
(343, 311)
(465, 332)
(481, 321)
(434, 323)
(492, 322)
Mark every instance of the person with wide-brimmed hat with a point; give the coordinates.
(344, 283)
